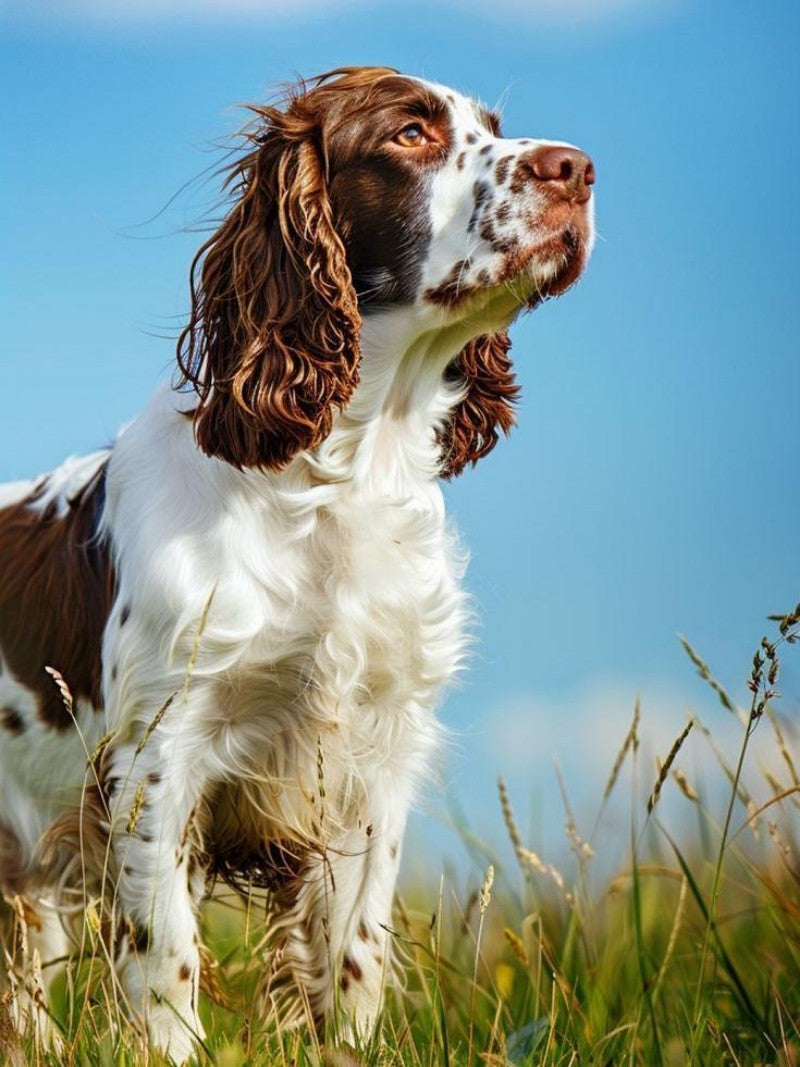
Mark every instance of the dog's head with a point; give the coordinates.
(368, 191)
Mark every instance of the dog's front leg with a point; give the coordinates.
(335, 917)
(155, 793)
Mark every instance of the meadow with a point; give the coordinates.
(689, 953)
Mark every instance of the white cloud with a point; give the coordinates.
(583, 732)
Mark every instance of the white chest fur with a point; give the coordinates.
(334, 615)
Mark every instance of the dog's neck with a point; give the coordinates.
(389, 432)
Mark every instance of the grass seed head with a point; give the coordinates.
(517, 946)
(486, 888)
(667, 766)
(631, 742)
(683, 785)
(136, 809)
(63, 688)
(508, 818)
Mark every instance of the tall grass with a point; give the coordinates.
(689, 954)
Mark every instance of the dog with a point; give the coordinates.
(223, 640)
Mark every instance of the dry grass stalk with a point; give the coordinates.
(780, 794)
(469, 907)
(192, 662)
(774, 783)
(684, 785)
(582, 849)
(530, 857)
(64, 690)
(785, 851)
(190, 666)
(486, 888)
(784, 751)
(664, 772)
(730, 774)
(623, 882)
(96, 756)
(548, 869)
(321, 782)
(673, 937)
(210, 978)
(509, 820)
(786, 622)
(26, 998)
(153, 724)
(136, 809)
(10, 1039)
(707, 676)
(484, 899)
(762, 692)
(517, 946)
(631, 742)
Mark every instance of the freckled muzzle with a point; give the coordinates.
(562, 177)
(526, 208)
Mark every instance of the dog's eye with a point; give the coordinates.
(412, 136)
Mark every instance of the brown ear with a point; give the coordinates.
(488, 405)
(271, 346)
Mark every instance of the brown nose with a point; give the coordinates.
(567, 171)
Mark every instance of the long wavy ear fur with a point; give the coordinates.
(475, 423)
(271, 346)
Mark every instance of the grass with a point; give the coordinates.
(689, 954)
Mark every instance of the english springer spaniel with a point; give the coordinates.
(223, 640)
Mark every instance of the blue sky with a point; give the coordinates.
(651, 486)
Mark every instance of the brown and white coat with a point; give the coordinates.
(254, 596)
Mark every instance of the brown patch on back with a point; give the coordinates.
(56, 591)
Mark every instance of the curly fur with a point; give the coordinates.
(272, 339)
(483, 368)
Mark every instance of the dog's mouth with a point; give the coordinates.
(549, 267)
(570, 254)
(530, 273)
